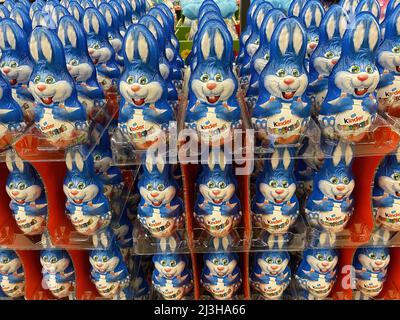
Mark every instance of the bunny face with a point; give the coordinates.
(311, 15)
(170, 266)
(373, 259)
(390, 60)
(19, 189)
(217, 190)
(95, 25)
(54, 261)
(13, 287)
(338, 187)
(391, 184)
(9, 262)
(278, 190)
(272, 263)
(322, 260)
(15, 62)
(141, 83)
(285, 76)
(104, 262)
(157, 193)
(79, 190)
(50, 82)
(221, 265)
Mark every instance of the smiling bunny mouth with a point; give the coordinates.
(360, 91)
(13, 82)
(339, 197)
(398, 68)
(139, 101)
(47, 100)
(96, 61)
(212, 99)
(288, 94)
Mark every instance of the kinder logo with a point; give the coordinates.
(136, 128)
(47, 127)
(209, 126)
(282, 123)
(334, 219)
(353, 120)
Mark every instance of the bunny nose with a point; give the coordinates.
(135, 88)
(362, 77)
(91, 50)
(41, 87)
(340, 188)
(15, 193)
(167, 269)
(334, 62)
(154, 195)
(74, 192)
(274, 267)
(279, 191)
(378, 263)
(69, 67)
(216, 192)
(211, 85)
(288, 81)
(6, 70)
(313, 45)
(220, 268)
(325, 264)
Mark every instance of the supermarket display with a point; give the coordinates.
(148, 152)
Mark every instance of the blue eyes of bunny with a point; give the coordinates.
(271, 260)
(335, 180)
(48, 80)
(221, 185)
(274, 184)
(142, 80)
(320, 257)
(396, 176)
(48, 259)
(205, 77)
(224, 261)
(357, 69)
(396, 49)
(20, 186)
(282, 73)
(160, 187)
(80, 185)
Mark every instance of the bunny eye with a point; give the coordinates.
(279, 261)
(270, 260)
(81, 185)
(160, 187)
(13, 64)
(383, 256)
(129, 80)
(266, 57)
(50, 80)
(257, 42)
(204, 77)
(225, 262)
(218, 77)
(355, 69)
(281, 73)
(105, 259)
(296, 73)
(222, 185)
(346, 180)
(334, 180)
(285, 184)
(143, 80)
(53, 260)
(320, 257)
(369, 69)
(316, 39)
(45, 258)
(215, 261)
(37, 79)
(329, 55)
(396, 49)
(273, 183)
(22, 186)
(73, 62)
(149, 187)
(5, 260)
(330, 258)
(110, 37)
(97, 157)
(96, 258)
(163, 263)
(210, 184)
(396, 176)
(11, 185)
(372, 255)
(96, 46)
(173, 263)
(3, 64)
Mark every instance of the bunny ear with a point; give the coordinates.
(308, 17)
(9, 161)
(342, 25)
(373, 35)
(68, 160)
(79, 161)
(149, 163)
(95, 23)
(296, 9)
(10, 35)
(61, 34)
(298, 39)
(160, 164)
(211, 161)
(86, 23)
(45, 47)
(71, 34)
(283, 40)
(259, 18)
(18, 19)
(108, 16)
(358, 35)
(129, 46)
(219, 44)
(286, 159)
(337, 155)
(205, 45)
(318, 16)
(348, 155)
(143, 48)
(275, 159)
(331, 26)
(270, 27)
(33, 48)
(222, 160)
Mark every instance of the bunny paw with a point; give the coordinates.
(17, 127)
(81, 125)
